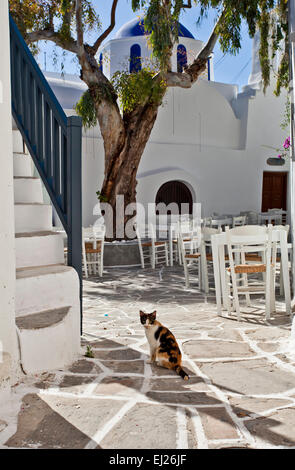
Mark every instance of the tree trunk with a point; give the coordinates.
(121, 165)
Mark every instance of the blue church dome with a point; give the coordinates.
(135, 27)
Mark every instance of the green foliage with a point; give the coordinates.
(57, 15)
(89, 352)
(136, 89)
(161, 21)
(287, 115)
(86, 109)
(269, 16)
(100, 197)
(91, 98)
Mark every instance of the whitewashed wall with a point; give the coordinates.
(116, 53)
(210, 137)
(7, 253)
(200, 144)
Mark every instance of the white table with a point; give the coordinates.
(218, 252)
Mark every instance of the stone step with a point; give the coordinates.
(32, 217)
(38, 249)
(36, 321)
(27, 189)
(22, 165)
(17, 140)
(49, 339)
(44, 288)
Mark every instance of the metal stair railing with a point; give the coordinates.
(53, 140)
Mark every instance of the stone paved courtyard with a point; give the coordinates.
(241, 392)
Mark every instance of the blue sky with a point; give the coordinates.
(228, 69)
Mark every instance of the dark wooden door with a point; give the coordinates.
(175, 191)
(274, 190)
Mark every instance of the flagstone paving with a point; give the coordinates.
(241, 392)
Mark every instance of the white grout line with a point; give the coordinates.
(89, 389)
(273, 359)
(240, 427)
(202, 442)
(181, 434)
(99, 435)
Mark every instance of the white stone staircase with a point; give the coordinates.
(47, 291)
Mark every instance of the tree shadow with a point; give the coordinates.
(42, 425)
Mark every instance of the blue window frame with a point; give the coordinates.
(100, 62)
(181, 58)
(135, 58)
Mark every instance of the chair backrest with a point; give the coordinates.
(238, 244)
(189, 236)
(283, 227)
(278, 211)
(221, 222)
(94, 235)
(271, 217)
(248, 230)
(207, 233)
(239, 221)
(146, 232)
(206, 222)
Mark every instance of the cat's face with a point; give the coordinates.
(147, 319)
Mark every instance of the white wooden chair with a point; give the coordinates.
(239, 221)
(151, 248)
(221, 222)
(189, 243)
(93, 249)
(207, 222)
(290, 248)
(239, 248)
(270, 217)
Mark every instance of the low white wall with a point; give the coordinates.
(7, 249)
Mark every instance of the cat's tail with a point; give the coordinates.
(179, 370)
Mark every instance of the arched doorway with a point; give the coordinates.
(177, 192)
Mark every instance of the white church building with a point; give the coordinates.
(209, 144)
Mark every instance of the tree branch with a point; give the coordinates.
(193, 71)
(108, 30)
(50, 35)
(79, 28)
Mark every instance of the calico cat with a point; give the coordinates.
(163, 345)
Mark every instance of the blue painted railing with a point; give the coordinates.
(53, 140)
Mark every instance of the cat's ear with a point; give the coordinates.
(141, 313)
(154, 314)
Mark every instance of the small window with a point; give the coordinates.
(181, 58)
(135, 58)
(101, 62)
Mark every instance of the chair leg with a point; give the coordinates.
(186, 274)
(204, 266)
(179, 254)
(166, 254)
(247, 295)
(200, 277)
(281, 280)
(153, 257)
(171, 250)
(141, 256)
(236, 296)
(267, 295)
(85, 266)
(273, 292)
